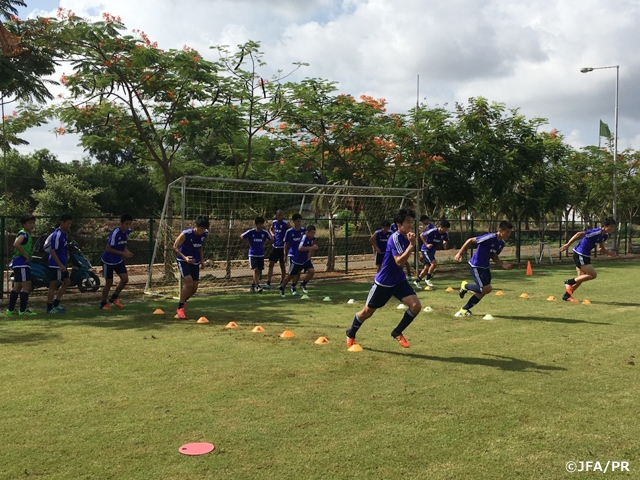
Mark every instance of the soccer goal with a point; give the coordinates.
(345, 218)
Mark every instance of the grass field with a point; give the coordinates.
(113, 395)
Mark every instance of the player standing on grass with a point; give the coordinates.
(113, 261)
(22, 252)
(257, 239)
(277, 230)
(489, 247)
(379, 241)
(391, 280)
(292, 239)
(582, 255)
(56, 246)
(431, 239)
(188, 250)
(302, 260)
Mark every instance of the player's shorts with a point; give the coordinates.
(290, 257)
(276, 255)
(22, 274)
(189, 270)
(108, 270)
(57, 274)
(427, 256)
(482, 276)
(256, 263)
(297, 268)
(379, 258)
(581, 260)
(379, 295)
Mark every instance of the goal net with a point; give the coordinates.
(345, 218)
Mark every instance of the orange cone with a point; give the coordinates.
(158, 311)
(529, 270)
(231, 325)
(524, 295)
(257, 329)
(321, 340)
(202, 320)
(499, 293)
(287, 334)
(586, 302)
(355, 348)
(551, 298)
(449, 289)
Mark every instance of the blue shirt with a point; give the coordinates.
(382, 238)
(591, 238)
(192, 245)
(293, 237)
(279, 229)
(488, 246)
(18, 259)
(58, 243)
(390, 273)
(257, 240)
(118, 241)
(435, 238)
(393, 227)
(301, 257)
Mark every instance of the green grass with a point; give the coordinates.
(113, 395)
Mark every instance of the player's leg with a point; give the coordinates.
(425, 268)
(15, 291)
(283, 270)
(307, 278)
(294, 273)
(54, 282)
(270, 272)
(584, 272)
(25, 290)
(431, 271)
(124, 279)
(480, 288)
(107, 274)
(65, 282)
(377, 298)
(406, 295)
(260, 268)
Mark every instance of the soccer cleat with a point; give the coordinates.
(105, 307)
(569, 289)
(181, 314)
(61, 309)
(402, 341)
(416, 283)
(570, 299)
(10, 312)
(350, 341)
(281, 290)
(55, 310)
(267, 286)
(117, 303)
(304, 289)
(429, 283)
(294, 292)
(253, 289)
(463, 288)
(258, 289)
(27, 312)
(463, 313)
(409, 278)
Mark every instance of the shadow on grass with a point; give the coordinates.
(549, 319)
(27, 337)
(510, 364)
(617, 304)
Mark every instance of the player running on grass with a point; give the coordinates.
(431, 238)
(391, 280)
(379, 242)
(489, 247)
(582, 255)
(188, 250)
(23, 250)
(113, 262)
(301, 261)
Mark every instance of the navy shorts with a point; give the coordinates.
(108, 270)
(22, 274)
(379, 295)
(482, 276)
(427, 257)
(57, 274)
(581, 260)
(297, 268)
(189, 270)
(379, 258)
(256, 263)
(276, 255)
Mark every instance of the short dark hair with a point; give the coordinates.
(296, 216)
(27, 218)
(65, 218)
(202, 221)
(608, 221)
(126, 218)
(402, 214)
(311, 228)
(505, 225)
(444, 223)
(423, 218)
(385, 224)
(258, 220)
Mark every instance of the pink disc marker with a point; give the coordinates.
(196, 448)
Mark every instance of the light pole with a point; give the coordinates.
(615, 147)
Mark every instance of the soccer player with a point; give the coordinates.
(113, 261)
(379, 241)
(431, 238)
(488, 248)
(22, 252)
(391, 280)
(256, 238)
(582, 255)
(188, 250)
(277, 230)
(292, 239)
(302, 260)
(407, 266)
(426, 224)
(56, 246)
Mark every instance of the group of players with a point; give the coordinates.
(394, 244)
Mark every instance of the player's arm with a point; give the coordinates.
(500, 263)
(122, 253)
(54, 255)
(310, 248)
(176, 247)
(467, 244)
(17, 244)
(402, 258)
(573, 239)
(602, 250)
(374, 243)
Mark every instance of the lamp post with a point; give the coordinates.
(615, 147)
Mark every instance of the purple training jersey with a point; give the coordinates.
(591, 238)
(192, 245)
(488, 246)
(435, 238)
(382, 238)
(390, 273)
(293, 237)
(301, 257)
(118, 241)
(257, 240)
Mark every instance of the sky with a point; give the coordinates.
(525, 54)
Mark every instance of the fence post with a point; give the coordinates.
(3, 239)
(519, 242)
(150, 250)
(625, 237)
(560, 236)
(346, 246)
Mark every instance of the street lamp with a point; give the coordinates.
(615, 147)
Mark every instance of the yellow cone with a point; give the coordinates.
(449, 289)
(499, 293)
(321, 340)
(257, 329)
(355, 348)
(524, 295)
(231, 325)
(176, 316)
(551, 298)
(428, 288)
(202, 320)
(287, 334)
(158, 311)
(586, 302)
